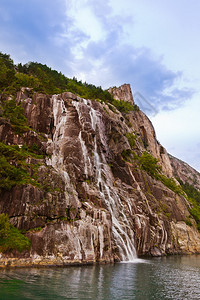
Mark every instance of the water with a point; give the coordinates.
(124, 243)
(121, 228)
(175, 277)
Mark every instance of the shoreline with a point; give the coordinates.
(12, 263)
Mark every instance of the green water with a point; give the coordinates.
(175, 277)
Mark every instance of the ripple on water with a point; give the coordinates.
(158, 278)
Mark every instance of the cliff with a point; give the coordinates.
(185, 173)
(100, 189)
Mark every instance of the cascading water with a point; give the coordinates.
(86, 158)
(87, 163)
(60, 119)
(121, 228)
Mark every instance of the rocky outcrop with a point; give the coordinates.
(185, 172)
(123, 93)
(94, 203)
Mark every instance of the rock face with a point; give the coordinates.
(185, 172)
(99, 205)
(122, 93)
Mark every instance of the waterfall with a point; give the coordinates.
(120, 225)
(60, 117)
(86, 157)
(87, 163)
(96, 166)
(56, 160)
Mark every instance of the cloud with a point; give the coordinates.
(110, 59)
(178, 131)
(175, 98)
(29, 30)
(124, 63)
(88, 40)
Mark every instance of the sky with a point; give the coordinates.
(153, 45)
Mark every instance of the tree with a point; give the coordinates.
(149, 164)
(10, 237)
(4, 226)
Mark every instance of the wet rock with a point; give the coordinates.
(93, 203)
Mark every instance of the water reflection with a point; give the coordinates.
(160, 278)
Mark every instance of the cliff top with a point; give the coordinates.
(122, 93)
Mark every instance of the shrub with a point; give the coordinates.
(26, 80)
(193, 196)
(190, 191)
(43, 79)
(10, 237)
(14, 170)
(126, 154)
(131, 139)
(4, 226)
(171, 184)
(188, 221)
(35, 148)
(36, 229)
(124, 106)
(7, 71)
(10, 175)
(149, 164)
(15, 114)
(195, 212)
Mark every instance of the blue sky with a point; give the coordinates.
(153, 45)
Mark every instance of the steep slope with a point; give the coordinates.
(94, 191)
(185, 173)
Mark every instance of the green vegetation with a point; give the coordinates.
(7, 71)
(127, 155)
(124, 107)
(188, 221)
(10, 175)
(171, 184)
(15, 114)
(149, 164)
(195, 212)
(190, 191)
(194, 198)
(131, 139)
(63, 219)
(8, 86)
(10, 237)
(36, 229)
(111, 107)
(14, 170)
(43, 79)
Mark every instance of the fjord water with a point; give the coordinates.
(175, 277)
